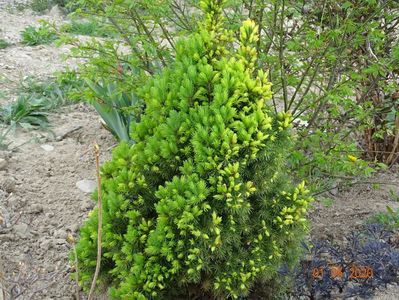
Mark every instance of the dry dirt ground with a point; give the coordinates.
(39, 199)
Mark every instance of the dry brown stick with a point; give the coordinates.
(390, 160)
(65, 134)
(2, 289)
(100, 221)
(77, 271)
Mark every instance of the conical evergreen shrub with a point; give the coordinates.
(201, 205)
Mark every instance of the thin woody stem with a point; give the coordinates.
(99, 234)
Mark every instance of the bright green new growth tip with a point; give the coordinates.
(201, 204)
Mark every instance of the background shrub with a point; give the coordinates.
(332, 63)
(333, 66)
(201, 205)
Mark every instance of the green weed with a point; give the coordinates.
(3, 138)
(26, 111)
(44, 34)
(390, 218)
(88, 27)
(36, 98)
(4, 44)
(57, 91)
(41, 5)
(393, 195)
(327, 202)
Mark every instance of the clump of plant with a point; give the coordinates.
(389, 219)
(4, 44)
(368, 260)
(57, 90)
(89, 27)
(117, 109)
(201, 204)
(25, 111)
(41, 5)
(4, 131)
(43, 34)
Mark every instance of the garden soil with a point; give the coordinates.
(44, 181)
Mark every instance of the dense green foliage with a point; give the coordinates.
(201, 204)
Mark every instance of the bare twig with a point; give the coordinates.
(77, 272)
(99, 234)
(390, 160)
(64, 135)
(281, 57)
(111, 147)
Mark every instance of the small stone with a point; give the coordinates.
(54, 222)
(8, 185)
(86, 186)
(3, 163)
(36, 209)
(47, 148)
(22, 230)
(49, 215)
(74, 228)
(46, 244)
(50, 268)
(87, 205)
(60, 241)
(334, 191)
(7, 237)
(60, 234)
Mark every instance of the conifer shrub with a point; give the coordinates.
(201, 205)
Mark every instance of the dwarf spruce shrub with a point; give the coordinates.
(201, 205)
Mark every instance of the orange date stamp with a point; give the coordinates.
(336, 271)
